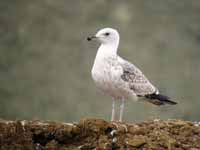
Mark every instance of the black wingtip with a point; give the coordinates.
(171, 102)
(159, 99)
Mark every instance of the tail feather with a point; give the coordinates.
(159, 99)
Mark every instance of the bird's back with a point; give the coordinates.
(141, 86)
(135, 78)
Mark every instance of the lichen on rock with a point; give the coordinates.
(98, 134)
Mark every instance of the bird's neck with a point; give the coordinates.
(108, 49)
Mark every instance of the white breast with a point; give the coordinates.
(107, 76)
(102, 72)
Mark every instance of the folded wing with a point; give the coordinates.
(136, 79)
(140, 85)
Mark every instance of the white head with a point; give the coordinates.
(106, 36)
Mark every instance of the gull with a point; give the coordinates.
(118, 77)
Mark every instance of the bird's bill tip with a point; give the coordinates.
(90, 38)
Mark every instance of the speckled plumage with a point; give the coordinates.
(119, 78)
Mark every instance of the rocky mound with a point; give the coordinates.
(96, 134)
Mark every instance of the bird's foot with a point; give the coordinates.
(119, 126)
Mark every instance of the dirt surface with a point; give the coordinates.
(96, 134)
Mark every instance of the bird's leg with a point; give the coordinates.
(121, 110)
(113, 111)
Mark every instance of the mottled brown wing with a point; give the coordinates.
(136, 79)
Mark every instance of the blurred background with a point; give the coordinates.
(45, 60)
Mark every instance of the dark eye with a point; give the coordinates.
(107, 34)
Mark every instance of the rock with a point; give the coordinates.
(136, 141)
(91, 134)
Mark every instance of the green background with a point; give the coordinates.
(45, 60)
